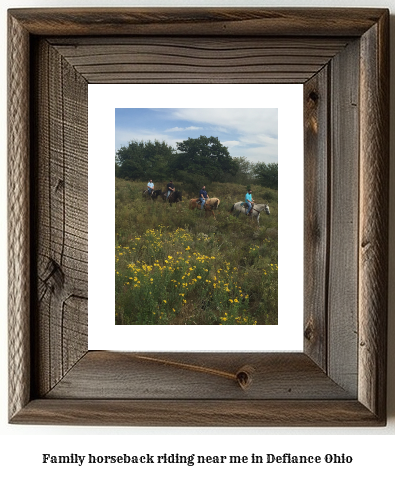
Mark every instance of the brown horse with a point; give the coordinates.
(210, 205)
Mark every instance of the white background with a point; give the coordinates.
(22, 446)
(103, 334)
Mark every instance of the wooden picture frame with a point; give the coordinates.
(342, 58)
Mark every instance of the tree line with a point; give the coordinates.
(195, 161)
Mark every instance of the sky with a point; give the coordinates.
(252, 132)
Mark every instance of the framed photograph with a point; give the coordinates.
(341, 59)
(192, 267)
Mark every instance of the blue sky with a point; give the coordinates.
(252, 132)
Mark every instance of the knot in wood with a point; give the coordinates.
(313, 96)
(54, 276)
(244, 376)
(308, 332)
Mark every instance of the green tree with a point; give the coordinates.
(245, 171)
(205, 157)
(141, 159)
(267, 174)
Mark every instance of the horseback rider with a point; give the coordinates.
(170, 188)
(203, 196)
(249, 202)
(150, 187)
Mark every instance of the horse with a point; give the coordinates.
(174, 197)
(255, 211)
(153, 195)
(211, 204)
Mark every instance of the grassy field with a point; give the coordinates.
(177, 266)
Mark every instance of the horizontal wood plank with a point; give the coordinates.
(199, 413)
(160, 59)
(198, 21)
(275, 78)
(196, 375)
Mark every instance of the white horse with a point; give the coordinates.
(256, 210)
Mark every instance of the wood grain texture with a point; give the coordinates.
(201, 413)
(343, 202)
(61, 247)
(196, 376)
(18, 218)
(151, 59)
(346, 306)
(259, 22)
(373, 236)
(316, 215)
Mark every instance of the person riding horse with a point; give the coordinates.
(249, 202)
(202, 197)
(170, 189)
(150, 187)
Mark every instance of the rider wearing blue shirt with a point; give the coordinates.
(150, 187)
(249, 201)
(203, 196)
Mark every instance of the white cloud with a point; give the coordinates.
(229, 144)
(266, 154)
(251, 132)
(255, 130)
(188, 128)
(247, 121)
(263, 139)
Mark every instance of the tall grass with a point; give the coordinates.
(177, 266)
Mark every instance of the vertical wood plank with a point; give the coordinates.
(373, 245)
(316, 227)
(74, 260)
(61, 229)
(343, 265)
(41, 211)
(18, 217)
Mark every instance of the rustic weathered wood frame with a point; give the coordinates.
(341, 57)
